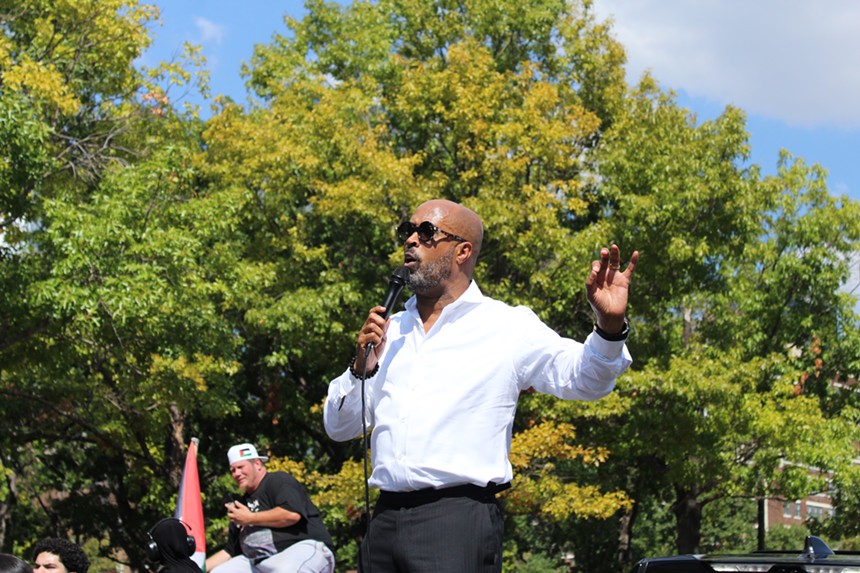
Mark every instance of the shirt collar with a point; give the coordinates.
(471, 296)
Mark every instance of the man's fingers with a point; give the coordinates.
(631, 266)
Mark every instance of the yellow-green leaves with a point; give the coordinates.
(43, 82)
(540, 486)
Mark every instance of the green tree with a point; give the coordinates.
(163, 278)
(110, 325)
(135, 343)
(368, 109)
(738, 318)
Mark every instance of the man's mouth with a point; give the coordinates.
(409, 260)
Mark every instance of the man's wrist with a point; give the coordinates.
(357, 374)
(613, 336)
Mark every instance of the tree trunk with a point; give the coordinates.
(688, 521)
(176, 449)
(625, 536)
(6, 513)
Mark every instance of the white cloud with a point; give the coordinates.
(209, 31)
(790, 60)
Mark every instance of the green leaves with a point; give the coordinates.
(162, 277)
(738, 303)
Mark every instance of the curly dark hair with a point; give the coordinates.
(71, 555)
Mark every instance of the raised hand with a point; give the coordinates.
(607, 288)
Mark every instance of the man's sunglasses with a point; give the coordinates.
(426, 231)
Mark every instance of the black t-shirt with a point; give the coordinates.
(277, 489)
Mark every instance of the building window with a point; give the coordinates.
(818, 511)
(814, 512)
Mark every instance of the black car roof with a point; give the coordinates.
(816, 557)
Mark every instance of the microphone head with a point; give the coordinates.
(400, 275)
(395, 287)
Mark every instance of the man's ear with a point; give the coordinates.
(464, 252)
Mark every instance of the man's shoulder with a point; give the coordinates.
(497, 306)
(279, 478)
(279, 475)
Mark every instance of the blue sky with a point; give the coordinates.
(791, 65)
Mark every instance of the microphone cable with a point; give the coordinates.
(365, 447)
(395, 287)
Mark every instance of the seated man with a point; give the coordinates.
(274, 525)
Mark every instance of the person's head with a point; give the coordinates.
(246, 467)
(172, 541)
(441, 245)
(59, 556)
(11, 564)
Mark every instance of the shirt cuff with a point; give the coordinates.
(607, 349)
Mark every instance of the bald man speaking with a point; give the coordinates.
(442, 382)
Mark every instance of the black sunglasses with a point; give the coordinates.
(426, 231)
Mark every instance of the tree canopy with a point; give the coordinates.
(165, 276)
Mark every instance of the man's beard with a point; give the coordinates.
(423, 279)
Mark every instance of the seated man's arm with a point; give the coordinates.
(217, 559)
(275, 517)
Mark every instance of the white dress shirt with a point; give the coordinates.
(442, 403)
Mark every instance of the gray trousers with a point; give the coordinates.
(306, 556)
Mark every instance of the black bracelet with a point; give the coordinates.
(356, 374)
(617, 337)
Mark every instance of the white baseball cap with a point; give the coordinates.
(241, 452)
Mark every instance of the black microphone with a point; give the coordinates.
(395, 287)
